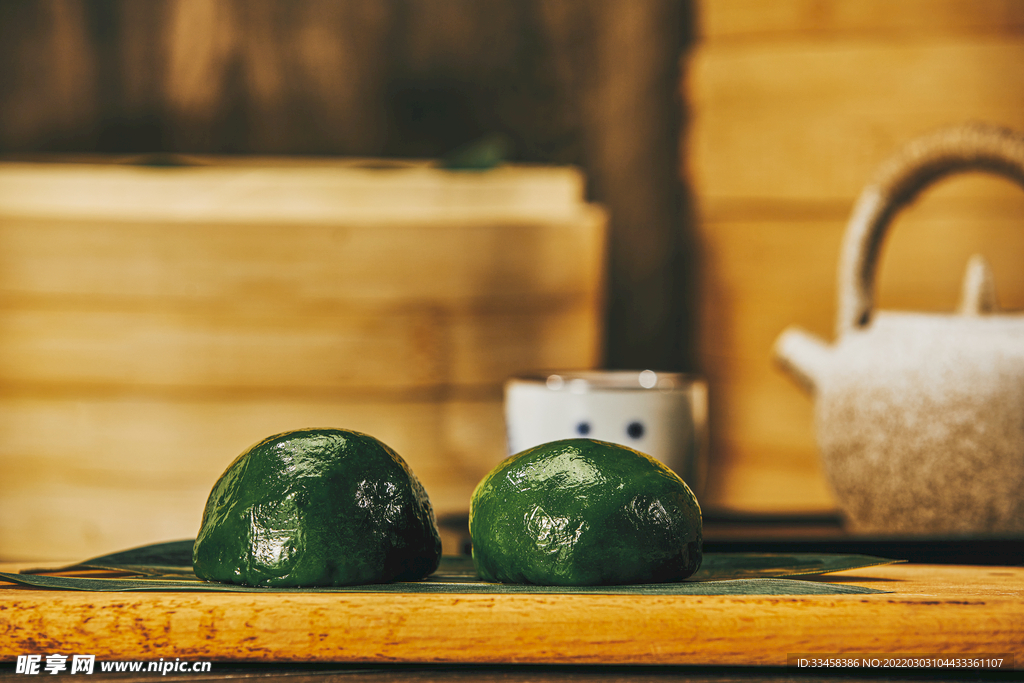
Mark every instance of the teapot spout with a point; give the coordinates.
(804, 356)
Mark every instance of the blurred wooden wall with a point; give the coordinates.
(140, 352)
(155, 321)
(794, 104)
(563, 82)
(762, 119)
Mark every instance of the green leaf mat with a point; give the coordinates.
(168, 567)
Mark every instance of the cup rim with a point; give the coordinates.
(608, 380)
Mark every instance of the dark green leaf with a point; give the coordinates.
(719, 566)
(166, 583)
(168, 567)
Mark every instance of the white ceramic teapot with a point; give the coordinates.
(920, 417)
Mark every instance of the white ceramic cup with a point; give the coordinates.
(661, 414)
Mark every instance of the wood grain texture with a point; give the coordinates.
(934, 609)
(155, 323)
(90, 475)
(794, 105)
(418, 347)
(809, 119)
(750, 19)
(590, 84)
(258, 190)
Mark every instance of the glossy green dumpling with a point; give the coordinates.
(317, 507)
(581, 512)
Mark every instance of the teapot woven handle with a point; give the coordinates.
(972, 147)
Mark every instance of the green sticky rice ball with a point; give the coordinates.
(581, 512)
(317, 507)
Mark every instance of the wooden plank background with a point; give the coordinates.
(785, 109)
(146, 343)
(589, 84)
(592, 85)
(794, 104)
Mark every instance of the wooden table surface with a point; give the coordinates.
(930, 609)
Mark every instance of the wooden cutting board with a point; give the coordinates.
(930, 609)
